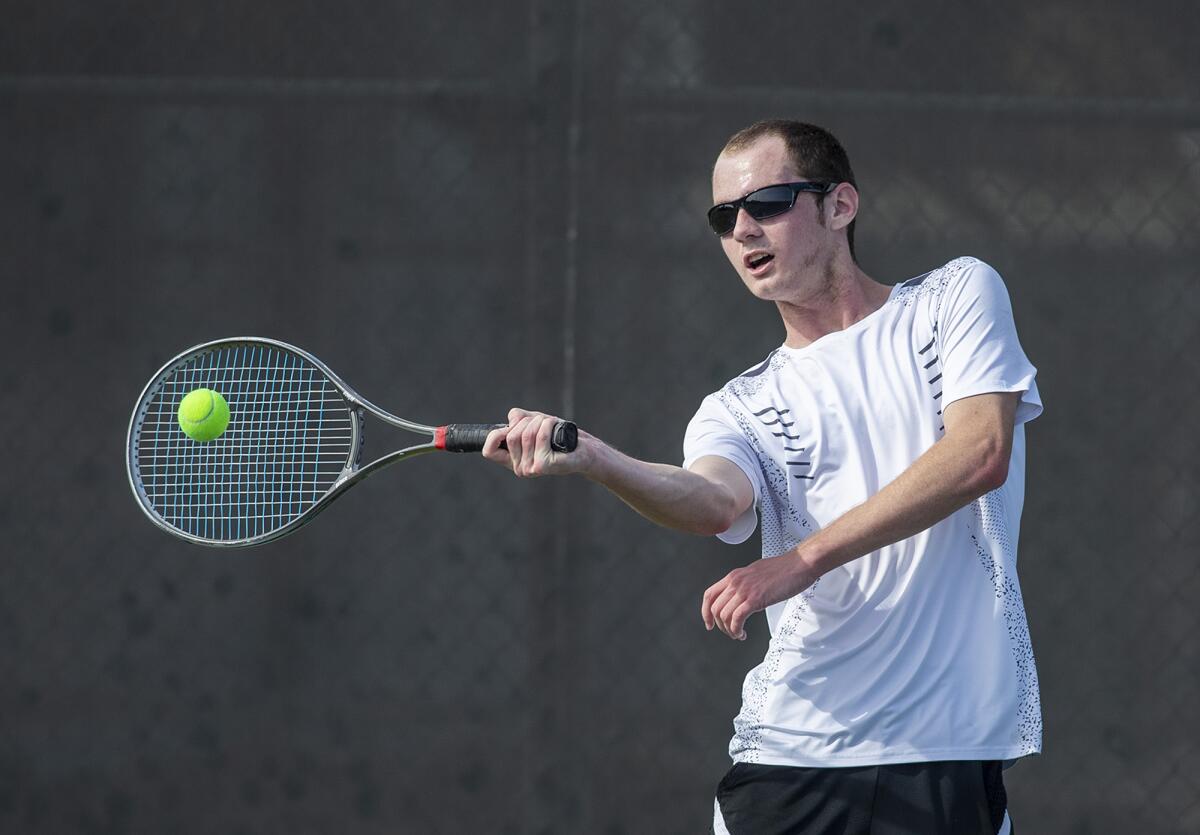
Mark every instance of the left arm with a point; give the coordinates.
(970, 459)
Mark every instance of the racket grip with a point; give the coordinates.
(469, 437)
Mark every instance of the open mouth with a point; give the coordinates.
(755, 262)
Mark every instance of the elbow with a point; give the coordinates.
(984, 464)
(980, 430)
(719, 518)
(993, 471)
(711, 523)
(715, 527)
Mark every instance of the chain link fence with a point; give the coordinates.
(500, 205)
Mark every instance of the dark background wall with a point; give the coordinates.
(462, 207)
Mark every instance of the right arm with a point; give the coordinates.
(705, 499)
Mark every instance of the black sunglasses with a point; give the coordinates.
(761, 204)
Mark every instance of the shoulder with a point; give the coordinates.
(972, 282)
(754, 379)
(734, 401)
(951, 277)
(953, 270)
(971, 269)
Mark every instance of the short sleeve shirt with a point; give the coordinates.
(920, 650)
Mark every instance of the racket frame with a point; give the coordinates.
(352, 471)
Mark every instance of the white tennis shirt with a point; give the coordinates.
(918, 651)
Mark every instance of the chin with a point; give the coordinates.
(768, 289)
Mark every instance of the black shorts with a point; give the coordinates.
(931, 798)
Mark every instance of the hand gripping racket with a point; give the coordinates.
(294, 443)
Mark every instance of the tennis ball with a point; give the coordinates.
(203, 414)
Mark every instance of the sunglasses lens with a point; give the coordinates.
(770, 201)
(722, 218)
(760, 205)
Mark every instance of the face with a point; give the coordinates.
(782, 258)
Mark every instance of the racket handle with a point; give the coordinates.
(469, 437)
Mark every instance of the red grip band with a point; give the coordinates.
(439, 437)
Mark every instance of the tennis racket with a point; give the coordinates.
(294, 443)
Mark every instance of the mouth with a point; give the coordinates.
(757, 262)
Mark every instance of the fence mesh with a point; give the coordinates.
(461, 211)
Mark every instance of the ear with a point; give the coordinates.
(842, 205)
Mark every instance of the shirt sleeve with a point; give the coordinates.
(980, 352)
(713, 431)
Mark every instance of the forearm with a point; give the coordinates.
(664, 494)
(949, 475)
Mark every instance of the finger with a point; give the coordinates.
(515, 414)
(513, 441)
(536, 443)
(545, 455)
(737, 620)
(706, 608)
(491, 446)
(718, 597)
(722, 607)
(529, 450)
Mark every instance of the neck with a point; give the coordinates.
(843, 296)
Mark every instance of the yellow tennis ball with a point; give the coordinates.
(203, 414)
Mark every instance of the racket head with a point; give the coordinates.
(294, 439)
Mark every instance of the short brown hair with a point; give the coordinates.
(815, 152)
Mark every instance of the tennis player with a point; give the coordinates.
(881, 448)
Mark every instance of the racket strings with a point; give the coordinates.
(289, 436)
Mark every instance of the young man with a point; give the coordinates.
(882, 446)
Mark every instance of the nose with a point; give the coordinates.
(745, 226)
